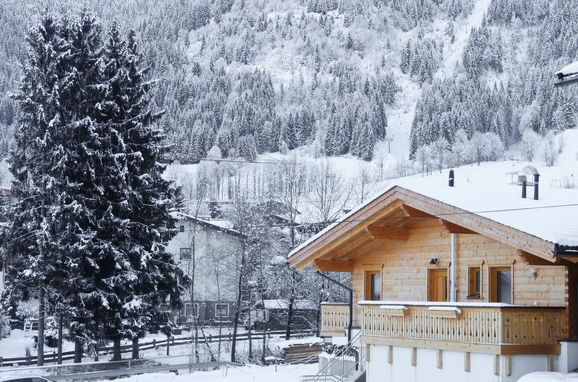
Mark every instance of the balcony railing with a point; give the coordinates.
(492, 328)
(334, 319)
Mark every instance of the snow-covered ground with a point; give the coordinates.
(548, 377)
(250, 373)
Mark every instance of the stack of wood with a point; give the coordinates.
(298, 352)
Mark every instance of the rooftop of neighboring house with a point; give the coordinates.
(221, 225)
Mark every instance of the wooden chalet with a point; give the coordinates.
(437, 284)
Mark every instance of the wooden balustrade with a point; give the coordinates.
(334, 319)
(495, 328)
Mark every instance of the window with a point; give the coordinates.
(501, 285)
(373, 285)
(221, 311)
(192, 310)
(474, 282)
(181, 228)
(185, 254)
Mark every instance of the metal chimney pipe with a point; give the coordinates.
(536, 189)
(522, 179)
(451, 179)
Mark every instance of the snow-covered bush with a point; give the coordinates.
(550, 151)
(529, 144)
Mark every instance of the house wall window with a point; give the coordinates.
(185, 254)
(501, 288)
(373, 285)
(192, 310)
(221, 311)
(474, 282)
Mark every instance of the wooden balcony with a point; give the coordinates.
(486, 328)
(334, 319)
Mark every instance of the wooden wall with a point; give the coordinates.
(405, 267)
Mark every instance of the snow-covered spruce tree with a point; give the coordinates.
(37, 264)
(153, 275)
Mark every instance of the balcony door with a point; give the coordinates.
(438, 285)
(501, 285)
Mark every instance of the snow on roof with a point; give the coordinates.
(284, 304)
(487, 191)
(568, 69)
(221, 225)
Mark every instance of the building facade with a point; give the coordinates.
(208, 252)
(444, 293)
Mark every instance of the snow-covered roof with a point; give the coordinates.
(284, 304)
(219, 225)
(487, 191)
(568, 70)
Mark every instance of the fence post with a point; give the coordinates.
(155, 343)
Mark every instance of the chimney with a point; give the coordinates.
(451, 179)
(522, 179)
(536, 189)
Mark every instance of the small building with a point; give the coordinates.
(207, 250)
(272, 314)
(464, 283)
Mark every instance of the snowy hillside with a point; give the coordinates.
(336, 77)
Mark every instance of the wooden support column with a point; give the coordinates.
(508, 365)
(414, 357)
(440, 359)
(497, 365)
(390, 354)
(467, 362)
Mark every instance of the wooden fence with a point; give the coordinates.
(154, 344)
(334, 319)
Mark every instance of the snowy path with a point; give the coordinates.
(453, 53)
(400, 118)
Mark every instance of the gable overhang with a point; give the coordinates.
(333, 249)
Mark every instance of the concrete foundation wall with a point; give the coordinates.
(482, 366)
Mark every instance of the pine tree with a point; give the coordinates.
(151, 198)
(29, 240)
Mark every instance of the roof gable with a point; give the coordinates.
(399, 203)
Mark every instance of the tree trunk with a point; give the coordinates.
(59, 339)
(289, 317)
(237, 309)
(135, 348)
(41, 317)
(250, 338)
(77, 350)
(265, 325)
(116, 354)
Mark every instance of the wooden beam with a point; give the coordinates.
(454, 228)
(570, 258)
(388, 233)
(414, 212)
(334, 265)
(530, 259)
